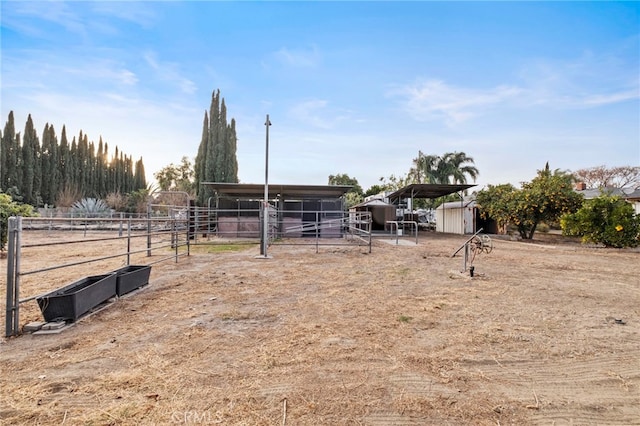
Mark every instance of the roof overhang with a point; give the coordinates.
(427, 190)
(288, 192)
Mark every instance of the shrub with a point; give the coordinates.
(604, 220)
(90, 207)
(8, 208)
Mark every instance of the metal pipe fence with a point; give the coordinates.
(285, 227)
(170, 227)
(158, 234)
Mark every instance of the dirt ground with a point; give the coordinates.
(546, 332)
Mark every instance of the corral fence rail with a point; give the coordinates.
(167, 234)
(285, 227)
(175, 228)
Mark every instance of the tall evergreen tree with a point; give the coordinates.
(199, 165)
(232, 160)
(53, 178)
(41, 173)
(8, 157)
(100, 170)
(74, 163)
(66, 163)
(29, 162)
(216, 160)
(140, 181)
(45, 165)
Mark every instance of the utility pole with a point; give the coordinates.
(265, 206)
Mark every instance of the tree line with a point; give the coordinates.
(56, 172)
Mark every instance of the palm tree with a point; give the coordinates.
(424, 168)
(456, 170)
(452, 167)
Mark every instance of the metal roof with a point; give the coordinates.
(256, 191)
(427, 190)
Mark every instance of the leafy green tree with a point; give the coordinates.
(607, 220)
(498, 203)
(344, 179)
(355, 194)
(8, 208)
(176, 177)
(545, 199)
(393, 182)
(374, 190)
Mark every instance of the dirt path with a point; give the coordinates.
(543, 334)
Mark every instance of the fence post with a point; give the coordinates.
(12, 321)
(148, 230)
(174, 235)
(128, 241)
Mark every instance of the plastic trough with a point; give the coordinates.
(78, 298)
(131, 277)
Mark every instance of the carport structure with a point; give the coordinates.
(426, 190)
(421, 191)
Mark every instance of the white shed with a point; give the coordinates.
(456, 217)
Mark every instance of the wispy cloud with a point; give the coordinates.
(140, 13)
(311, 113)
(170, 72)
(26, 17)
(435, 99)
(298, 58)
(316, 113)
(588, 81)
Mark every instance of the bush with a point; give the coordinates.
(8, 208)
(604, 220)
(91, 207)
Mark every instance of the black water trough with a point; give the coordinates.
(78, 298)
(131, 277)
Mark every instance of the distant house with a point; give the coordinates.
(631, 195)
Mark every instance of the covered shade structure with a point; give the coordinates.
(236, 208)
(427, 190)
(256, 191)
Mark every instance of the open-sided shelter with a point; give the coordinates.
(237, 208)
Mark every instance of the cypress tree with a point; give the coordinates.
(212, 146)
(140, 181)
(8, 158)
(53, 178)
(232, 160)
(91, 171)
(73, 175)
(45, 165)
(200, 160)
(29, 162)
(66, 163)
(216, 160)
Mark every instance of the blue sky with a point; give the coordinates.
(350, 87)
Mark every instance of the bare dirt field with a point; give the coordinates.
(546, 332)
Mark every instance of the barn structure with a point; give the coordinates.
(294, 211)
